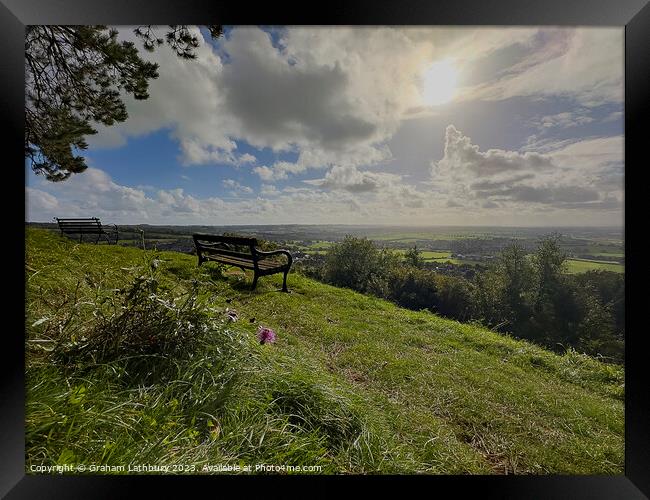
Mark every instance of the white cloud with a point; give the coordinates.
(40, 201)
(583, 175)
(269, 190)
(351, 179)
(536, 199)
(236, 187)
(461, 154)
(585, 64)
(565, 119)
(279, 170)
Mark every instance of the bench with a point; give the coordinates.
(241, 252)
(90, 225)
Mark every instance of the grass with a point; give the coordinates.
(575, 266)
(353, 384)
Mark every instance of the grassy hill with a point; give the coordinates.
(118, 373)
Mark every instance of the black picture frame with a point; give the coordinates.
(634, 15)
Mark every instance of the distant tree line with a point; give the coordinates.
(527, 295)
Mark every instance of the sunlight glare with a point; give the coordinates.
(439, 82)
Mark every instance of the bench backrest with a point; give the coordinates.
(88, 225)
(234, 246)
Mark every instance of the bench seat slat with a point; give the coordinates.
(225, 251)
(246, 263)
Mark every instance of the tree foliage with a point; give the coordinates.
(413, 257)
(516, 286)
(75, 77)
(358, 264)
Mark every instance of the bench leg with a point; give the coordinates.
(255, 277)
(284, 282)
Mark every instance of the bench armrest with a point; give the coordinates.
(263, 255)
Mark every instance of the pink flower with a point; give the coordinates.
(265, 335)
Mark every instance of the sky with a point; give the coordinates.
(513, 126)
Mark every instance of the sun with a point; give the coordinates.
(439, 82)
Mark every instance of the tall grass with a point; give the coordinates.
(140, 369)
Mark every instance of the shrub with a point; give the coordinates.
(454, 297)
(358, 264)
(413, 288)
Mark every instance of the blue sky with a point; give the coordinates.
(413, 126)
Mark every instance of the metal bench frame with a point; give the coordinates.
(210, 247)
(89, 225)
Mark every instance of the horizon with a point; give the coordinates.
(387, 126)
(436, 226)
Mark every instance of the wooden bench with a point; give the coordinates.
(241, 252)
(90, 225)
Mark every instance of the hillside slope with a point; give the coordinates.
(353, 384)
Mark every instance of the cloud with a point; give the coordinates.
(392, 202)
(92, 193)
(582, 175)
(95, 194)
(283, 99)
(236, 187)
(613, 116)
(541, 194)
(351, 179)
(195, 152)
(565, 119)
(461, 154)
(269, 190)
(40, 201)
(279, 170)
(598, 161)
(585, 64)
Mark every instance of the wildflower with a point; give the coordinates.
(232, 315)
(265, 335)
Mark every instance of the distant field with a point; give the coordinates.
(429, 255)
(442, 260)
(436, 255)
(440, 257)
(413, 237)
(320, 245)
(607, 254)
(576, 266)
